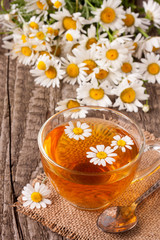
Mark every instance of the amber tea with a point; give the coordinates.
(86, 154)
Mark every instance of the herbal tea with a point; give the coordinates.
(90, 149)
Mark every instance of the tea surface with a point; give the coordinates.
(72, 153)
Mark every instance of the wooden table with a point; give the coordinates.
(24, 107)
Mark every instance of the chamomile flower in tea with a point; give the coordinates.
(122, 142)
(79, 131)
(101, 155)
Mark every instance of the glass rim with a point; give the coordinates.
(42, 151)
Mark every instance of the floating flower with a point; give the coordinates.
(129, 95)
(150, 68)
(80, 131)
(35, 197)
(122, 143)
(94, 95)
(101, 155)
(71, 103)
(110, 15)
(152, 10)
(48, 72)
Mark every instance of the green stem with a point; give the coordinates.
(90, 4)
(111, 37)
(97, 31)
(2, 6)
(77, 5)
(143, 33)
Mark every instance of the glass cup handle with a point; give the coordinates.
(154, 167)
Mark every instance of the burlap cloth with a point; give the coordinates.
(73, 223)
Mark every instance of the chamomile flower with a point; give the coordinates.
(110, 15)
(23, 51)
(35, 197)
(74, 70)
(91, 37)
(78, 131)
(71, 35)
(88, 57)
(39, 6)
(122, 143)
(113, 53)
(66, 21)
(138, 46)
(129, 67)
(34, 23)
(71, 103)
(150, 68)
(129, 95)
(152, 10)
(50, 30)
(101, 155)
(152, 44)
(94, 95)
(133, 21)
(58, 4)
(48, 73)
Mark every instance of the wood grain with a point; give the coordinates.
(24, 107)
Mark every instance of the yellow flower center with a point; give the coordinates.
(57, 4)
(102, 74)
(77, 130)
(51, 72)
(34, 46)
(90, 64)
(121, 143)
(126, 67)
(128, 95)
(44, 52)
(96, 94)
(72, 70)
(36, 197)
(75, 45)
(23, 37)
(26, 51)
(34, 25)
(40, 35)
(154, 49)
(108, 15)
(135, 45)
(153, 68)
(40, 5)
(41, 65)
(69, 23)
(69, 37)
(90, 42)
(72, 104)
(52, 31)
(129, 20)
(101, 155)
(112, 54)
(56, 50)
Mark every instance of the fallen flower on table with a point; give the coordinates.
(35, 197)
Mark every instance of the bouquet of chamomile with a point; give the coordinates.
(105, 48)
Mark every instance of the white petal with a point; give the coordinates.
(47, 201)
(37, 186)
(90, 154)
(129, 147)
(33, 205)
(93, 149)
(25, 204)
(123, 149)
(100, 148)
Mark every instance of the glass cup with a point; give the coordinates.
(92, 190)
